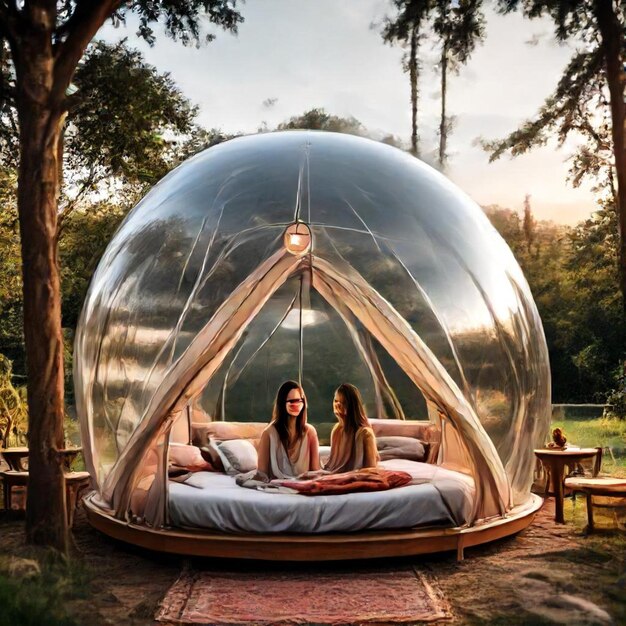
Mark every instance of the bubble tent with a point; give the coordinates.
(322, 257)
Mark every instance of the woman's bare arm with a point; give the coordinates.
(370, 452)
(263, 465)
(314, 449)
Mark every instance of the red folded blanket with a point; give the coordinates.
(370, 479)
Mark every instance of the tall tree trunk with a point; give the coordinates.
(611, 31)
(413, 77)
(443, 127)
(41, 121)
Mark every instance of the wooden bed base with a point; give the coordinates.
(323, 547)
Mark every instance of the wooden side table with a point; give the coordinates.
(16, 458)
(75, 482)
(609, 487)
(554, 461)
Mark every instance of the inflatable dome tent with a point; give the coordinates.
(325, 258)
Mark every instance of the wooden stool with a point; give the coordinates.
(608, 487)
(10, 479)
(75, 482)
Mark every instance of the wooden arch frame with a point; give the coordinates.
(319, 547)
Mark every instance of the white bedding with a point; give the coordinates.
(435, 496)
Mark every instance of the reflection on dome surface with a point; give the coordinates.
(411, 235)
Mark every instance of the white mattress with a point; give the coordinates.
(435, 496)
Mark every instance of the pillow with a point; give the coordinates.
(401, 448)
(237, 455)
(210, 454)
(189, 458)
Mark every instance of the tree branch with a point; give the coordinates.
(71, 205)
(9, 17)
(81, 27)
(571, 90)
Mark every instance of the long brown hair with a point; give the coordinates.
(355, 411)
(280, 417)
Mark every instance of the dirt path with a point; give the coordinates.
(547, 574)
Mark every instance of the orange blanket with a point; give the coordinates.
(370, 479)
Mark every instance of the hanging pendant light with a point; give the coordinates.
(297, 238)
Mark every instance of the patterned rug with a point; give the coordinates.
(299, 596)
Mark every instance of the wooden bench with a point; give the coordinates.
(75, 482)
(608, 487)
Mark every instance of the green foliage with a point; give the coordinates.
(318, 119)
(85, 236)
(572, 273)
(13, 408)
(570, 18)
(11, 333)
(616, 398)
(132, 142)
(460, 26)
(135, 135)
(592, 328)
(581, 107)
(40, 596)
(572, 109)
(81, 244)
(146, 128)
(410, 15)
(457, 26)
(199, 140)
(31, 603)
(181, 20)
(9, 139)
(606, 432)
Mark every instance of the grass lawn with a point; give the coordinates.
(38, 591)
(610, 433)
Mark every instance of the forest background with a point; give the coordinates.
(111, 160)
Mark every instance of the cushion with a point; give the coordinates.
(189, 458)
(417, 429)
(237, 455)
(203, 433)
(401, 448)
(210, 454)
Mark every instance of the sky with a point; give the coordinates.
(329, 54)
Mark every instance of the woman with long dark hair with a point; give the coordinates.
(352, 441)
(288, 446)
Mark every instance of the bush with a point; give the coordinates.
(38, 594)
(13, 407)
(616, 398)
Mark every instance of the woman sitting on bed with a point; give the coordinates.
(288, 446)
(352, 441)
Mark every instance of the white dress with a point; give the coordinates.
(282, 465)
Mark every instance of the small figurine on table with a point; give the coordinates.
(558, 439)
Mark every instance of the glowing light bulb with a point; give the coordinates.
(297, 238)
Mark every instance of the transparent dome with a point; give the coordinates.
(376, 217)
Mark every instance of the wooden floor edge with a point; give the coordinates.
(325, 547)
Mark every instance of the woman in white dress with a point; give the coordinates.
(288, 446)
(352, 441)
